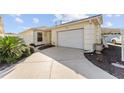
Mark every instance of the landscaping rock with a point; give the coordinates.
(109, 60)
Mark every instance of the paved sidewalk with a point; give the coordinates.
(57, 63)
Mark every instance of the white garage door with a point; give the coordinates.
(71, 38)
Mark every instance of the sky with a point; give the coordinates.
(15, 23)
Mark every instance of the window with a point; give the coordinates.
(39, 37)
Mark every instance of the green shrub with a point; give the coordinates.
(32, 50)
(26, 52)
(11, 48)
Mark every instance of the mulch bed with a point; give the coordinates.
(45, 46)
(105, 60)
(3, 66)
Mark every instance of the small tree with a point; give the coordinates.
(11, 48)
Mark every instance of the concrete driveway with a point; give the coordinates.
(57, 63)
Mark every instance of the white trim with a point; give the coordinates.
(122, 48)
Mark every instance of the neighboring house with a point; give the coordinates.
(37, 36)
(82, 34)
(111, 31)
(112, 35)
(1, 27)
(11, 34)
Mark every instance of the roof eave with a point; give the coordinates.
(98, 17)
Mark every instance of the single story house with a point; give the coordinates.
(1, 28)
(111, 31)
(82, 34)
(37, 36)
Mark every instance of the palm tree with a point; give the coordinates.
(11, 48)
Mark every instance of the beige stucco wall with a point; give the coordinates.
(30, 36)
(48, 37)
(98, 34)
(27, 36)
(92, 33)
(89, 37)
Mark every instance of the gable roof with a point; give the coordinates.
(40, 28)
(43, 28)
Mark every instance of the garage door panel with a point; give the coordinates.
(73, 38)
